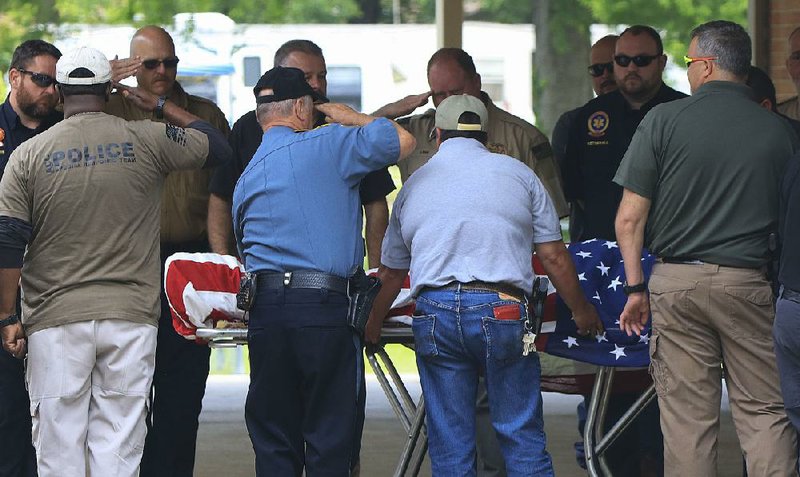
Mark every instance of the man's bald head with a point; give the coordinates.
(154, 43)
(602, 53)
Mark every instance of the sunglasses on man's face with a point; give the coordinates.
(168, 63)
(597, 69)
(638, 60)
(39, 79)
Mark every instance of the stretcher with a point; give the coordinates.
(201, 290)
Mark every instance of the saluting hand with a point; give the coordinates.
(125, 68)
(343, 114)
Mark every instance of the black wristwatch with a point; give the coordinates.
(159, 111)
(13, 318)
(628, 289)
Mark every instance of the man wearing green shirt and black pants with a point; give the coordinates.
(708, 196)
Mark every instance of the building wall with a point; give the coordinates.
(784, 17)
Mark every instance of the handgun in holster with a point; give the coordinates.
(362, 290)
(247, 291)
(536, 308)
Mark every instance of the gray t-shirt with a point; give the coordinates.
(711, 164)
(90, 187)
(467, 215)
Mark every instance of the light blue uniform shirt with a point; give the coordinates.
(467, 215)
(296, 205)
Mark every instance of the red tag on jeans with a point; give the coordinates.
(506, 312)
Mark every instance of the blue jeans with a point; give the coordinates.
(457, 337)
(786, 332)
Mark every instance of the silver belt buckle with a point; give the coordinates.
(287, 278)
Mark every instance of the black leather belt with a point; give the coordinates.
(302, 279)
(681, 260)
(791, 295)
(486, 286)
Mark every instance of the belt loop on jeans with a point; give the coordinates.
(302, 279)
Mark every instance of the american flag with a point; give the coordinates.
(201, 289)
(601, 274)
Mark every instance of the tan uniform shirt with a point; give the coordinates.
(184, 201)
(791, 108)
(508, 135)
(90, 187)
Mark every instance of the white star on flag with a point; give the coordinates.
(590, 240)
(571, 341)
(582, 277)
(597, 297)
(618, 351)
(601, 338)
(615, 283)
(603, 268)
(609, 245)
(584, 254)
(644, 339)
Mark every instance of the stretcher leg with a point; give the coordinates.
(411, 416)
(596, 442)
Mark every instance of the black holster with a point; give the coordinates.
(536, 309)
(362, 292)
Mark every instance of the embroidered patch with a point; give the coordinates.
(497, 148)
(598, 123)
(2, 136)
(176, 134)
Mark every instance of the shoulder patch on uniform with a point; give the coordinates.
(542, 150)
(497, 148)
(598, 123)
(176, 134)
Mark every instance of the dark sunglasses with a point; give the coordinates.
(597, 69)
(39, 79)
(168, 63)
(638, 60)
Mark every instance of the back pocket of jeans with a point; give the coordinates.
(503, 338)
(423, 327)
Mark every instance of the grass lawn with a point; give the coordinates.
(234, 360)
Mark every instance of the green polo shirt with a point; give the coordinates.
(711, 164)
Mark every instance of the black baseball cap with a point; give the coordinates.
(285, 83)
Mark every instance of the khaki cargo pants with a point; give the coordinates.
(705, 316)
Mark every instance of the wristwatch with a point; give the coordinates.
(12, 318)
(159, 111)
(628, 289)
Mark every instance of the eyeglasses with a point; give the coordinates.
(597, 69)
(39, 79)
(689, 60)
(168, 63)
(638, 60)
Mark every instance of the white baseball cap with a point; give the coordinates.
(87, 58)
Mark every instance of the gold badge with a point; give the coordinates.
(598, 123)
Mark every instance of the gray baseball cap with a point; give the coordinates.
(450, 110)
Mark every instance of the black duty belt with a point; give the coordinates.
(486, 286)
(681, 260)
(302, 279)
(791, 295)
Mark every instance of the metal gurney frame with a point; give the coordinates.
(412, 415)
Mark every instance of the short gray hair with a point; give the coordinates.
(279, 109)
(728, 42)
